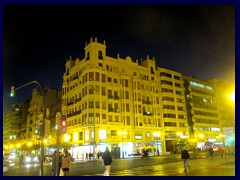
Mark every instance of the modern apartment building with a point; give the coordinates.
(204, 120)
(125, 104)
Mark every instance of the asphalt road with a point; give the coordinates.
(167, 165)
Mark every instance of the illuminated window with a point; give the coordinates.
(102, 134)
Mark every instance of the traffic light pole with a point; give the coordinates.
(42, 127)
(58, 143)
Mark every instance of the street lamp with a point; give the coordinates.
(42, 127)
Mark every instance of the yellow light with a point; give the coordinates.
(221, 135)
(45, 141)
(18, 145)
(232, 96)
(179, 133)
(29, 144)
(201, 135)
(156, 134)
(66, 138)
(122, 132)
(75, 136)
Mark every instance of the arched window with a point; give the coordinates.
(152, 71)
(100, 55)
(88, 56)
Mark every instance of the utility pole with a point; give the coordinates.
(58, 116)
(42, 127)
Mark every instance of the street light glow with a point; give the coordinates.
(66, 138)
(232, 96)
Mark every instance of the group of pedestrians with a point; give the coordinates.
(64, 164)
(185, 157)
(65, 161)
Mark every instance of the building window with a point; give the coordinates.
(80, 137)
(88, 56)
(100, 55)
(91, 104)
(172, 124)
(103, 118)
(104, 91)
(128, 120)
(165, 74)
(103, 78)
(113, 133)
(91, 76)
(110, 118)
(97, 76)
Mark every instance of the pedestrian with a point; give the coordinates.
(185, 156)
(98, 155)
(107, 161)
(211, 152)
(54, 158)
(60, 171)
(21, 158)
(66, 164)
(221, 152)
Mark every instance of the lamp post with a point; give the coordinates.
(58, 141)
(42, 127)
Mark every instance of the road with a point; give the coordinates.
(167, 165)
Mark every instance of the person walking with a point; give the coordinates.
(21, 158)
(66, 164)
(211, 152)
(107, 161)
(185, 156)
(54, 159)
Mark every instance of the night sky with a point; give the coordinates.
(191, 39)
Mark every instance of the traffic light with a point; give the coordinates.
(63, 125)
(12, 94)
(58, 117)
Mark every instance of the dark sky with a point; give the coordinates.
(192, 39)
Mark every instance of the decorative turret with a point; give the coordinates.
(95, 50)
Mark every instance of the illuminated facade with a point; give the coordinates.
(226, 106)
(123, 104)
(203, 112)
(126, 105)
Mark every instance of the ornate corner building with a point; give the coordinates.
(131, 105)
